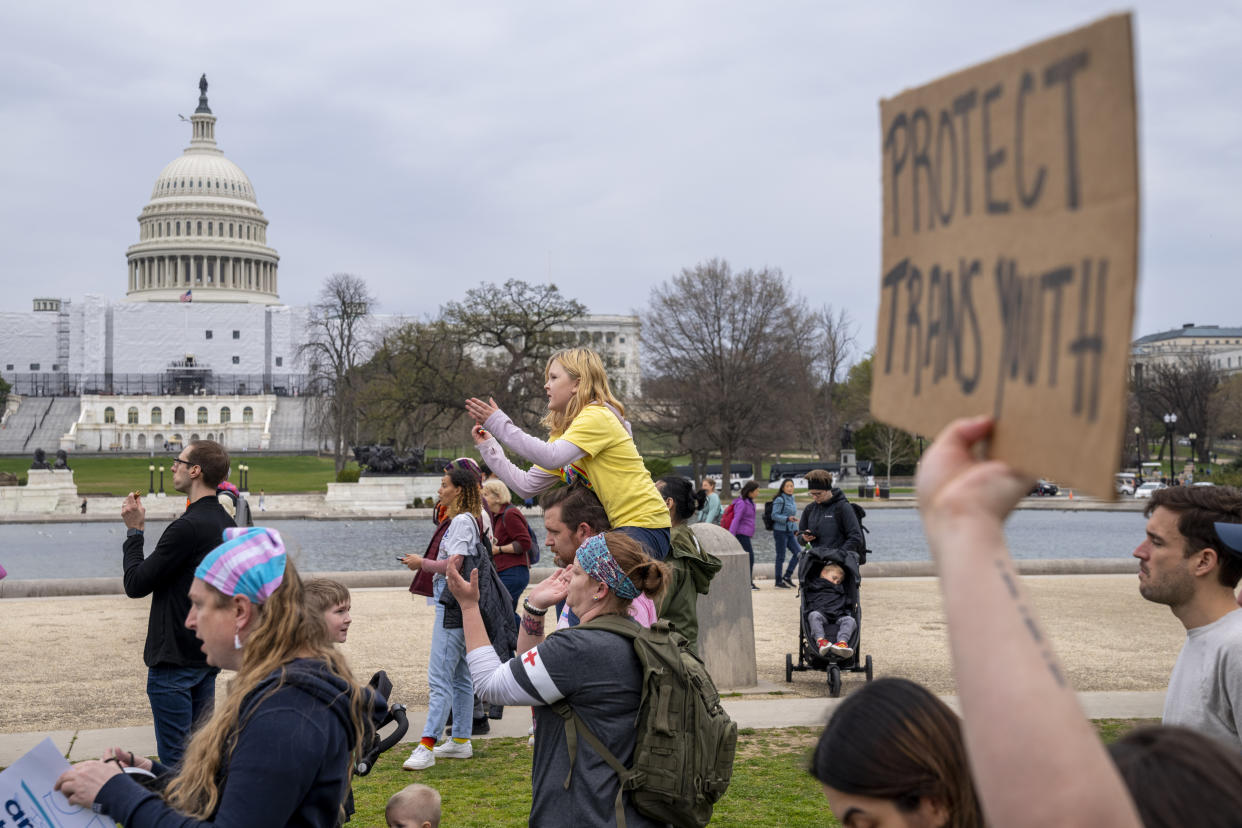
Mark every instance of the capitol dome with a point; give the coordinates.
(202, 236)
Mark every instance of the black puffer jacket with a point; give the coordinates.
(836, 527)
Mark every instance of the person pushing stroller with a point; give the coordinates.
(827, 604)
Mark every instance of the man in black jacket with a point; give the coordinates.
(829, 522)
(180, 685)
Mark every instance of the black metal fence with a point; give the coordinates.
(180, 382)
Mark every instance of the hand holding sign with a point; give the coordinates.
(1010, 253)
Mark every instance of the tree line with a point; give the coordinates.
(736, 365)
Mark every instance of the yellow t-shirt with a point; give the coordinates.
(614, 469)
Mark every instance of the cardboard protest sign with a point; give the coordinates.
(27, 796)
(1010, 239)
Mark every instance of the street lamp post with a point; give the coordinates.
(1170, 421)
(151, 478)
(1194, 451)
(161, 480)
(1138, 450)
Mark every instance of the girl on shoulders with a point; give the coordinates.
(589, 441)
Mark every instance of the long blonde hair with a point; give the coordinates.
(286, 629)
(584, 365)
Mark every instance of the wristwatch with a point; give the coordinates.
(132, 532)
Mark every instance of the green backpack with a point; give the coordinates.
(683, 756)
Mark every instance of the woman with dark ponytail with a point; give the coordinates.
(893, 753)
(594, 670)
(693, 569)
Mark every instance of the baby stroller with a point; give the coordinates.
(809, 566)
(373, 743)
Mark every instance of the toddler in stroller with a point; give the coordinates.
(830, 617)
(826, 603)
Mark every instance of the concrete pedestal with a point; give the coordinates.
(380, 493)
(726, 616)
(47, 491)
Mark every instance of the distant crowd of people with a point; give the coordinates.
(283, 745)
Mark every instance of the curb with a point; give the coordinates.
(386, 579)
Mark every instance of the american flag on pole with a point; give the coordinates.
(188, 296)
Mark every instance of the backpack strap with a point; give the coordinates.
(628, 629)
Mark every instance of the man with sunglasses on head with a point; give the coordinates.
(1191, 561)
(180, 684)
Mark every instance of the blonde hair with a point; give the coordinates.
(286, 629)
(833, 567)
(497, 489)
(323, 594)
(584, 365)
(417, 804)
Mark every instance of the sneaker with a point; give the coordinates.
(453, 750)
(480, 727)
(530, 736)
(753, 585)
(842, 648)
(789, 581)
(782, 585)
(823, 645)
(421, 758)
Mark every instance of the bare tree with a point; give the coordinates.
(1186, 388)
(338, 332)
(888, 443)
(721, 345)
(826, 345)
(517, 326)
(414, 381)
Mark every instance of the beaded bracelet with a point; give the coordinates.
(538, 613)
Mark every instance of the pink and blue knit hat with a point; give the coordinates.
(250, 562)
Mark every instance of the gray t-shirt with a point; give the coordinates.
(1205, 690)
(599, 675)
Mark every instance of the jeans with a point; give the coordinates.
(515, 579)
(449, 683)
(744, 540)
(655, 541)
(783, 541)
(180, 697)
(819, 626)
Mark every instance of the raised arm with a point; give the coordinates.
(550, 455)
(523, 483)
(1036, 759)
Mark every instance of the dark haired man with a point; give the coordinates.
(1185, 564)
(180, 685)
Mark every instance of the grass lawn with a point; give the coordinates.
(121, 475)
(771, 785)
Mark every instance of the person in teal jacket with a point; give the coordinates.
(785, 533)
(711, 511)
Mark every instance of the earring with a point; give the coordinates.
(236, 642)
(595, 598)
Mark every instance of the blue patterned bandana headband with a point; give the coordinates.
(595, 559)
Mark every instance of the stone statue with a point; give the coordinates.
(847, 437)
(202, 84)
(62, 459)
(40, 460)
(384, 460)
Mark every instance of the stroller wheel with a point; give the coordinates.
(788, 668)
(867, 668)
(834, 680)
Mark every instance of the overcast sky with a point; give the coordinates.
(431, 146)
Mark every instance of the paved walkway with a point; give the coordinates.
(78, 745)
(77, 672)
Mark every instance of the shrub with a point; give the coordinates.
(347, 476)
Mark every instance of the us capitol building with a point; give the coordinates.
(201, 345)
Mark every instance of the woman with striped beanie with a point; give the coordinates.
(279, 750)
